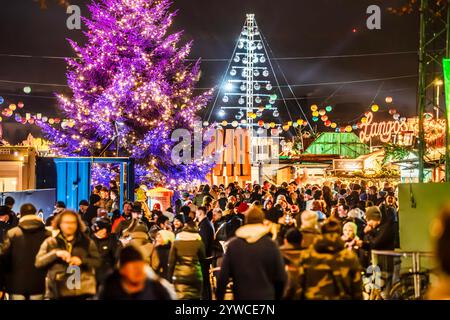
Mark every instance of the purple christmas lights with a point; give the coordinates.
(130, 71)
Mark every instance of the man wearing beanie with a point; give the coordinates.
(91, 213)
(252, 246)
(134, 280)
(378, 236)
(178, 223)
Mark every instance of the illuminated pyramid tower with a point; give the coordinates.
(247, 97)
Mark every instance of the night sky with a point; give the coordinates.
(294, 28)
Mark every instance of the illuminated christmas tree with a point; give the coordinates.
(131, 87)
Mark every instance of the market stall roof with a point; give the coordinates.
(312, 158)
(346, 145)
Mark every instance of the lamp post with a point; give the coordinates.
(438, 83)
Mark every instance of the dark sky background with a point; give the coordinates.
(294, 28)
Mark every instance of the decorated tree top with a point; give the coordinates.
(131, 87)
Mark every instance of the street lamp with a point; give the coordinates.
(438, 83)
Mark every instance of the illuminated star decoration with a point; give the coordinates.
(131, 75)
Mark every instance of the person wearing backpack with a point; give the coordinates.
(328, 271)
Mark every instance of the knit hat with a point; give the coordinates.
(157, 206)
(130, 254)
(100, 223)
(94, 198)
(309, 219)
(243, 206)
(254, 215)
(179, 217)
(373, 213)
(83, 203)
(136, 209)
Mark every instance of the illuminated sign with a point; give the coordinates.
(348, 164)
(385, 131)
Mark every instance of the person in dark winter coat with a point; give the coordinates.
(134, 280)
(70, 246)
(17, 254)
(186, 256)
(377, 236)
(206, 231)
(107, 246)
(235, 219)
(159, 258)
(291, 251)
(9, 203)
(389, 215)
(82, 208)
(222, 200)
(91, 213)
(8, 220)
(265, 277)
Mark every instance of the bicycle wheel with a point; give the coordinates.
(404, 289)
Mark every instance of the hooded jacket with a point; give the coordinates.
(18, 253)
(185, 271)
(254, 263)
(330, 272)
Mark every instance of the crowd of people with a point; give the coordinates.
(293, 241)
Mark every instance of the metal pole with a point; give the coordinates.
(447, 106)
(416, 270)
(249, 79)
(422, 87)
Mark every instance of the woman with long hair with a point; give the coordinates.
(69, 249)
